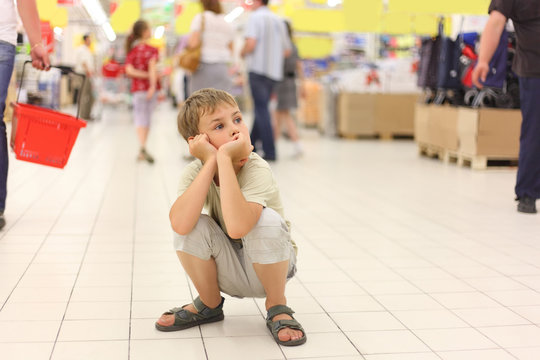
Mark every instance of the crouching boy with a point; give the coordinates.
(242, 247)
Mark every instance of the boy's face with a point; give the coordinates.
(223, 125)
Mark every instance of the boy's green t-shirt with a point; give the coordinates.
(256, 182)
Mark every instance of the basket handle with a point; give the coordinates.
(64, 70)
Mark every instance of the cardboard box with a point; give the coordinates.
(493, 133)
(356, 114)
(394, 113)
(421, 124)
(436, 126)
(66, 97)
(443, 127)
(310, 109)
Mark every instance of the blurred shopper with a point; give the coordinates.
(8, 40)
(181, 77)
(525, 15)
(141, 66)
(265, 48)
(217, 36)
(286, 93)
(84, 64)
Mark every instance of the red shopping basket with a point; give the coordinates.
(45, 136)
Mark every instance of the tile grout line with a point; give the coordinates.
(407, 280)
(429, 294)
(81, 264)
(368, 294)
(331, 318)
(164, 184)
(372, 297)
(135, 188)
(264, 318)
(35, 253)
(45, 237)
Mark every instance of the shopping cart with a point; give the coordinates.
(45, 136)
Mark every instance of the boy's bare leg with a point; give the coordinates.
(273, 278)
(203, 273)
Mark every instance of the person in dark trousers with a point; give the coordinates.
(40, 60)
(266, 46)
(525, 14)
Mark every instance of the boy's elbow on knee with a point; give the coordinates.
(180, 229)
(237, 232)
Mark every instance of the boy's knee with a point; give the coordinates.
(269, 240)
(199, 241)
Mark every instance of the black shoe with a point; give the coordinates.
(526, 205)
(2, 221)
(143, 155)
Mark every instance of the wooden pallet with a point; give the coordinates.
(434, 152)
(396, 136)
(380, 136)
(476, 162)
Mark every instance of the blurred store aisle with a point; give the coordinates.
(400, 257)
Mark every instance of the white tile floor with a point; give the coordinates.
(400, 257)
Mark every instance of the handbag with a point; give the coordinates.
(190, 58)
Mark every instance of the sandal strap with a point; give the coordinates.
(278, 309)
(182, 316)
(291, 324)
(198, 304)
(173, 310)
(201, 307)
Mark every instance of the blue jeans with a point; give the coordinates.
(261, 90)
(7, 58)
(528, 177)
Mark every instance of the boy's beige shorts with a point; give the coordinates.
(268, 242)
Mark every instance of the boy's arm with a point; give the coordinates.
(239, 215)
(187, 208)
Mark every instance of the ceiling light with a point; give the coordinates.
(108, 30)
(236, 12)
(334, 3)
(158, 33)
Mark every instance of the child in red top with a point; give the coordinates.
(141, 62)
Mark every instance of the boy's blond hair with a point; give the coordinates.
(204, 101)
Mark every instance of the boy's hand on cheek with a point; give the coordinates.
(237, 149)
(201, 148)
